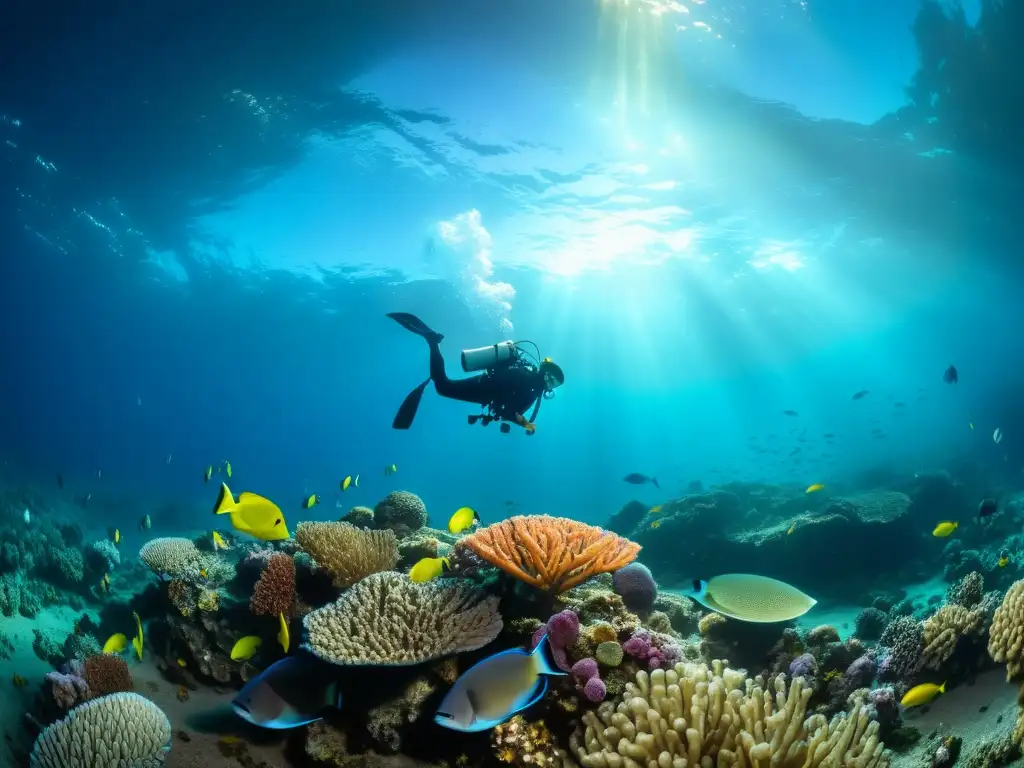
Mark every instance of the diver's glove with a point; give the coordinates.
(529, 426)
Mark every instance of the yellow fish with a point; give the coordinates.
(252, 514)
(429, 568)
(103, 586)
(814, 488)
(115, 643)
(655, 510)
(944, 529)
(390, 469)
(137, 641)
(208, 474)
(462, 520)
(181, 663)
(791, 528)
(18, 681)
(346, 483)
(311, 501)
(283, 636)
(922, 694)
(1004, 559)
(245, 648)
(218, 542)
(203, 573)
(656, 525)
(116, 536)
(106, 580)
(227, 469)
(970, 424)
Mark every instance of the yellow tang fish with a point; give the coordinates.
(208, 474)
(218, 542)
(462, 520)
(227, 469)
(656, 525)
(310, 501)
(1003, 562)
(245, 648)
(656, 509)
(922, 694)
(115, 536)
(137, 641)
(181, 663)
(814, 488)
(944, 529)
(791, 529)
(346, 483)
(203, 572)
(390, 469)
(115, 643)
(283, 636)
(252, 514)
(103, 586)
(429, 568)
(18, 681)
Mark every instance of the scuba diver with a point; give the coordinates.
(509, 385)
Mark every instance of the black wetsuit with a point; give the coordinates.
(506, 391)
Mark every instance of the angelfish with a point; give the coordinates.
(493, 690)
(290, 693)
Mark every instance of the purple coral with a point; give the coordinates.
(861, 672)
(636, 586)
(562, 629)
(584, 669)
(803, 665)
(656, 649)
(595, 690)
(67, 690)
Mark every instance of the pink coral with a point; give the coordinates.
(584, 669)
(656, 649)
(67, 690)
(562, 629)
(595, 690)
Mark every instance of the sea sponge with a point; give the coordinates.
(636, 586)
(274, 593)
(106, 673)
(904, 637)
(595, 690)
(385, 619)
(122, 729)
(1006, 636)
(943, 629)
(609, 653)
(708, 621)
(347, 553)
(692, 715)
(584, 669)
(401, 511)
(171, 556)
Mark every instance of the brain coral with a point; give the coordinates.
(1006, 637)
(122, 729)
(695, 716)
(346, 552)
(173, 556)
(386, 619)
(106, 673)
(275, 591)
(401, 511)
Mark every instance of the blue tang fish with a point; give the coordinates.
(493, 690)
(289, 693)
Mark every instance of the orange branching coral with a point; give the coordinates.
(275, 591)
(553, 553)
(106, 673)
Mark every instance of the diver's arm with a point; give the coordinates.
(523, 422)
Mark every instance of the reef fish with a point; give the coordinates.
(428, 568)
(26, 516)
(942, 530)
(115, 643)
(218, 542)
(347, 483)
(495, 689)
(635, 478)
(922, 694)
(752, 598)
(284, 637)
(245, 648)
(145, 523)
(861, 394)
(790, 413)
(814, 488)
(252, 514)
(987, 508)
(997, 436)
(390, 469)
(208, 474)
(310, 501)
(951, 376)
(138, 641)
(288, 694)
(227, 469)
(462, 520)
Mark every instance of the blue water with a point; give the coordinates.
(206, 218)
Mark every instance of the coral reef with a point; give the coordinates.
(274, 592)
(388, 620)
(551, 553)
(346, 552)
(636, 586)
(944, 628)
(524, 744)
(1006, 635)
(106, 673)
(175, 557)
(401, 512)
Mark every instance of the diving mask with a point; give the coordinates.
(552, 373)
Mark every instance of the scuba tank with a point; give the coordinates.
(483, 358)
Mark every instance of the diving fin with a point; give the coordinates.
(417, 326)
(407, 411)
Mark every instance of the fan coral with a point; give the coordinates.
(175, 557)
(275, 591)
(551, 553)
(944, 629)
(695, 716)
(386, 619)
(347, 553)
(106, 673)
(870, 624)
(400, 511)
(636, 586)
(117, 730)
(1006, 636)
